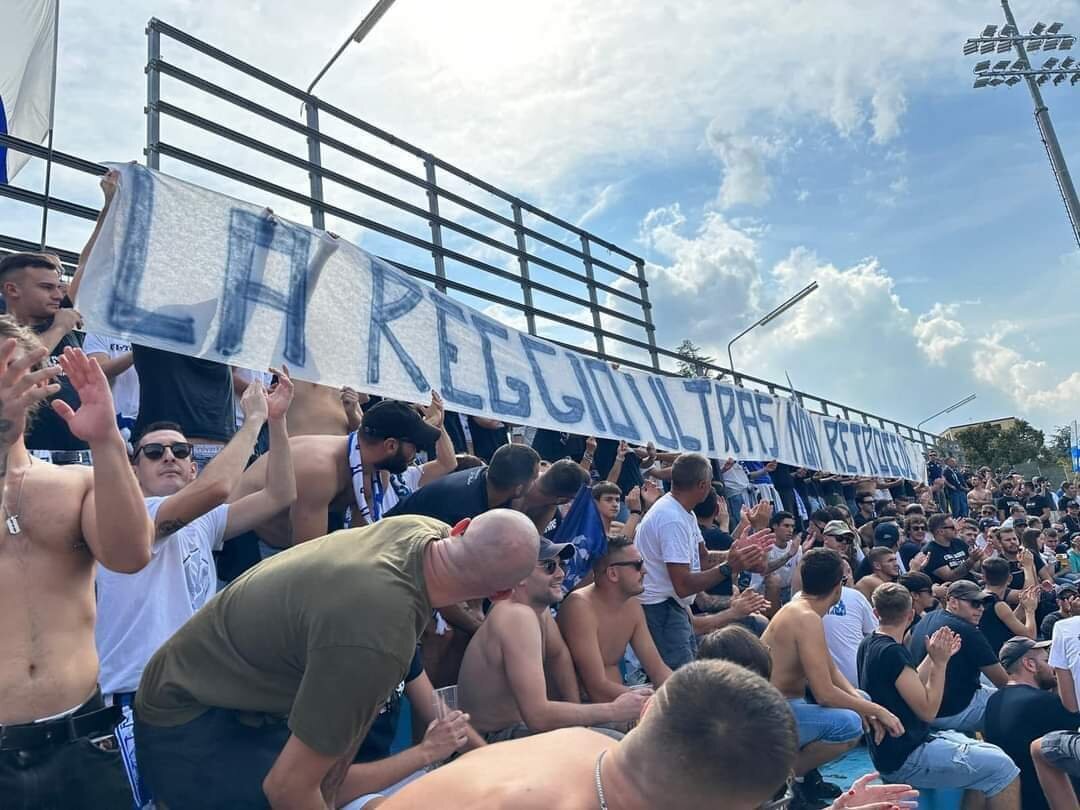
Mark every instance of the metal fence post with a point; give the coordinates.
(436, 227)
(314, 149)
(646, 307)
(523, 268)
(593, 299)
(153, 95)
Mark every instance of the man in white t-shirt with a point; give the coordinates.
(847, 623)
(115, 358)
(669, 540)
(1057, 754)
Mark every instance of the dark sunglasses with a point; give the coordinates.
(978, 605)
(917, 526)
(637, 565)
(550, 566)
(155, 450)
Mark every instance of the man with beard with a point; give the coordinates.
(601, 619)
(502, 685)
(1025, 709)
(884, 567)
(335, 473)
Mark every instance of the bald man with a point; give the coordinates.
(265, 694)
(689, 750)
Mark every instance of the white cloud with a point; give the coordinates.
(938, 332)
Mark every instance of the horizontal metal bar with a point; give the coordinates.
(207, 125)
(55, 204)
(59, 158)
(228, 96)
(403, 236)
(238, 64)
(12, 244)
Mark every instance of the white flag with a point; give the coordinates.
(27, 69)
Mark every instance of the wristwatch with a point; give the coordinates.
(725, 569)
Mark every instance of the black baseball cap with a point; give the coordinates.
(550, 550)
(886, 534)
(391, 419)
(1061, 590)
(968, 591)
(1016, 648)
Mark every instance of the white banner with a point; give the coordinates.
(181, 268)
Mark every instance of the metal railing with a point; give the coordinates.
(586, 277)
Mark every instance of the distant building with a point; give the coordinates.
(950, 434)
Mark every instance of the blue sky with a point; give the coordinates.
(744, 148)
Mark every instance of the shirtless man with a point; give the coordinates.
(335, 473)
(800, 657)
(599, 620)
(502, 686)
(57, 522)
(883, 568)
(689, 750)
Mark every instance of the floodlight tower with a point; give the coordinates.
(1046, 38)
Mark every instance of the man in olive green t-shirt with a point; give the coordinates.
(262, 697)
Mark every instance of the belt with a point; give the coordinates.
(60, 731)
(64, 456)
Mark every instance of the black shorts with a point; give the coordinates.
(218, 761)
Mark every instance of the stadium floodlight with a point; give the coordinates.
(1012, 80)
(362, 30)
(989, 31)
(766, 319)
(987, 47)
(1075, 78)
(1050, 44)
(950, 409)
(1038, 28)
(1049, 63)
(1020, 64)
(1066, 44)
(1008, 31)
(1059, 79)
(979, 83)
(1042, 79)
(996, 82)
(1034, 44)
(981, 66)
(1002, 65)
(1067, 62)
(971, 48)
(1003, 46)
(1055, 27)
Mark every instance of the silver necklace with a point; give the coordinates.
(599, 783)
(12, 520)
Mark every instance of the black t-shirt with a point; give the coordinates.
(1007, 502)
(962, 674)
(861, 520)
(1072, 524)
(782, 477)
(908, 549)
(47, 430)
(551, 445)
(880, 661)
(197, 394)
(1035, 504)
(380, 736)
(1016, 582)
(1046, 626)
(718, 540)
(487, 440)
(951, 557)
(451, 498)
(604, 459)
(456, 432)
(992, 627)
(1015, 716)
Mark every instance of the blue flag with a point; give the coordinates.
(582, 527)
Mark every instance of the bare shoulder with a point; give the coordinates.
(512, 618)
(70, 477)
(576, 604)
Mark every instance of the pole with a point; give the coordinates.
(1049, 136)
(950, 409)
(52, 115)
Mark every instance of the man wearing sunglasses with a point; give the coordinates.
(601, 619)
(57, 747)
(502, 685)
(948, 557)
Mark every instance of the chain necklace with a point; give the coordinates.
(11, 520)
(599, 783)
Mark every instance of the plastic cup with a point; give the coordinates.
(446, 701)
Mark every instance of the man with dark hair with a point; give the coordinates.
(795, 637)
(1068, 606)
(669, 540)
(1036, 504)
(921, 588)
(502, 683)
(1024, 710)
(608, 499)
(513, 471)
(30, 283)
(781, 562)
(688, 749)
(601, 619)
(556, 486)
(964, 703)
(948, 557)
(339, 473)
(865, 514)
(884, 567)
(739, 646)
(999, 621)
(919, 756)
(58, 522)
(264, 695)
(1007, 500)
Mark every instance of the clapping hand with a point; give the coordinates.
(944, 644)
(864, 796)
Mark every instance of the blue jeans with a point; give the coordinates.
(672, 632)
(970, 719)
(949, 759)
(735, 504)
(823, 724)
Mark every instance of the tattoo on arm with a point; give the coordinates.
(168, 527)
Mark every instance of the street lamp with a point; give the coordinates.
(780, 310)
(950, 409)
(311, 110)
(1010, 73)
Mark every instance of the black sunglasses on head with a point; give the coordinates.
(155, 450)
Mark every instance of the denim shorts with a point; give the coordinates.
(1062, 750)
(949, 759)
(823, 724)
(972, 717)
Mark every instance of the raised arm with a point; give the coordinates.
(115, 523)
(109, 184)
(445, 460)
(279, 493)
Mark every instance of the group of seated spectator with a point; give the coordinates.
(223, 586)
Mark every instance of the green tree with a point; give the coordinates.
(693, 363)
(1059, 448)
(984, 444)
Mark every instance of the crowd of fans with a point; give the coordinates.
(219, 587)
